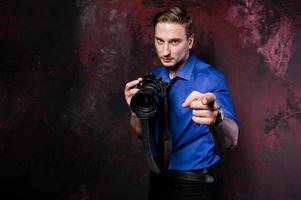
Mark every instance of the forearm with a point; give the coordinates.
(226, 133)
(136, 126)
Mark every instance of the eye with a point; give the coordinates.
(159, 41)
(175, 42)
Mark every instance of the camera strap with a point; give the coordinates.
(164, 145)
(147, 146)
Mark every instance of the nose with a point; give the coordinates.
(166, 49)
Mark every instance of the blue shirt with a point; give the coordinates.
(193, 146)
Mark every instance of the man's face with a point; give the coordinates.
(172, 45)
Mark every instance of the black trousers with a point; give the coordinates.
(163, 187)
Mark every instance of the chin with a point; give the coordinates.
(168, 64)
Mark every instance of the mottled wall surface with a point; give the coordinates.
(64, 130)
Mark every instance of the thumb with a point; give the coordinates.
(208, 98)
(192, 97)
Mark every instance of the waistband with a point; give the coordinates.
(201, 175)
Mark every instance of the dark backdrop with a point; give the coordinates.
(64, 130)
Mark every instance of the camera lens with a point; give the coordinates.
(144, 103)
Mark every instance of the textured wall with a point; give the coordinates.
(64, 130)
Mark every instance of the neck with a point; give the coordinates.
(172, 74)
(173, 70)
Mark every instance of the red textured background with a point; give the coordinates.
(64, 130)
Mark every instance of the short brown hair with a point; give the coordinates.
(175, 14)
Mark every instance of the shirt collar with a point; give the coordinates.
(186, 71)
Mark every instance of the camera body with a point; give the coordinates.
(150, 97)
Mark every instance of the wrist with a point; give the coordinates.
(219, 118)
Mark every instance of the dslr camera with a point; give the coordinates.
(150, 97)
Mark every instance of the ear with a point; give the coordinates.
(191, 40)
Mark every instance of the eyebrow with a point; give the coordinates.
(173, 39)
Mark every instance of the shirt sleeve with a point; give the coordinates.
(221, 91)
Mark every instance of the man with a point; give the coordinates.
(200, 111)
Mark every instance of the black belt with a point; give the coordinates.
(196, 175)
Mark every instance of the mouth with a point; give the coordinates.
(166, 60)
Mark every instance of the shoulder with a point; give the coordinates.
(207, 72)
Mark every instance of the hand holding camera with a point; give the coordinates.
(148, 96)
(131, 89)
